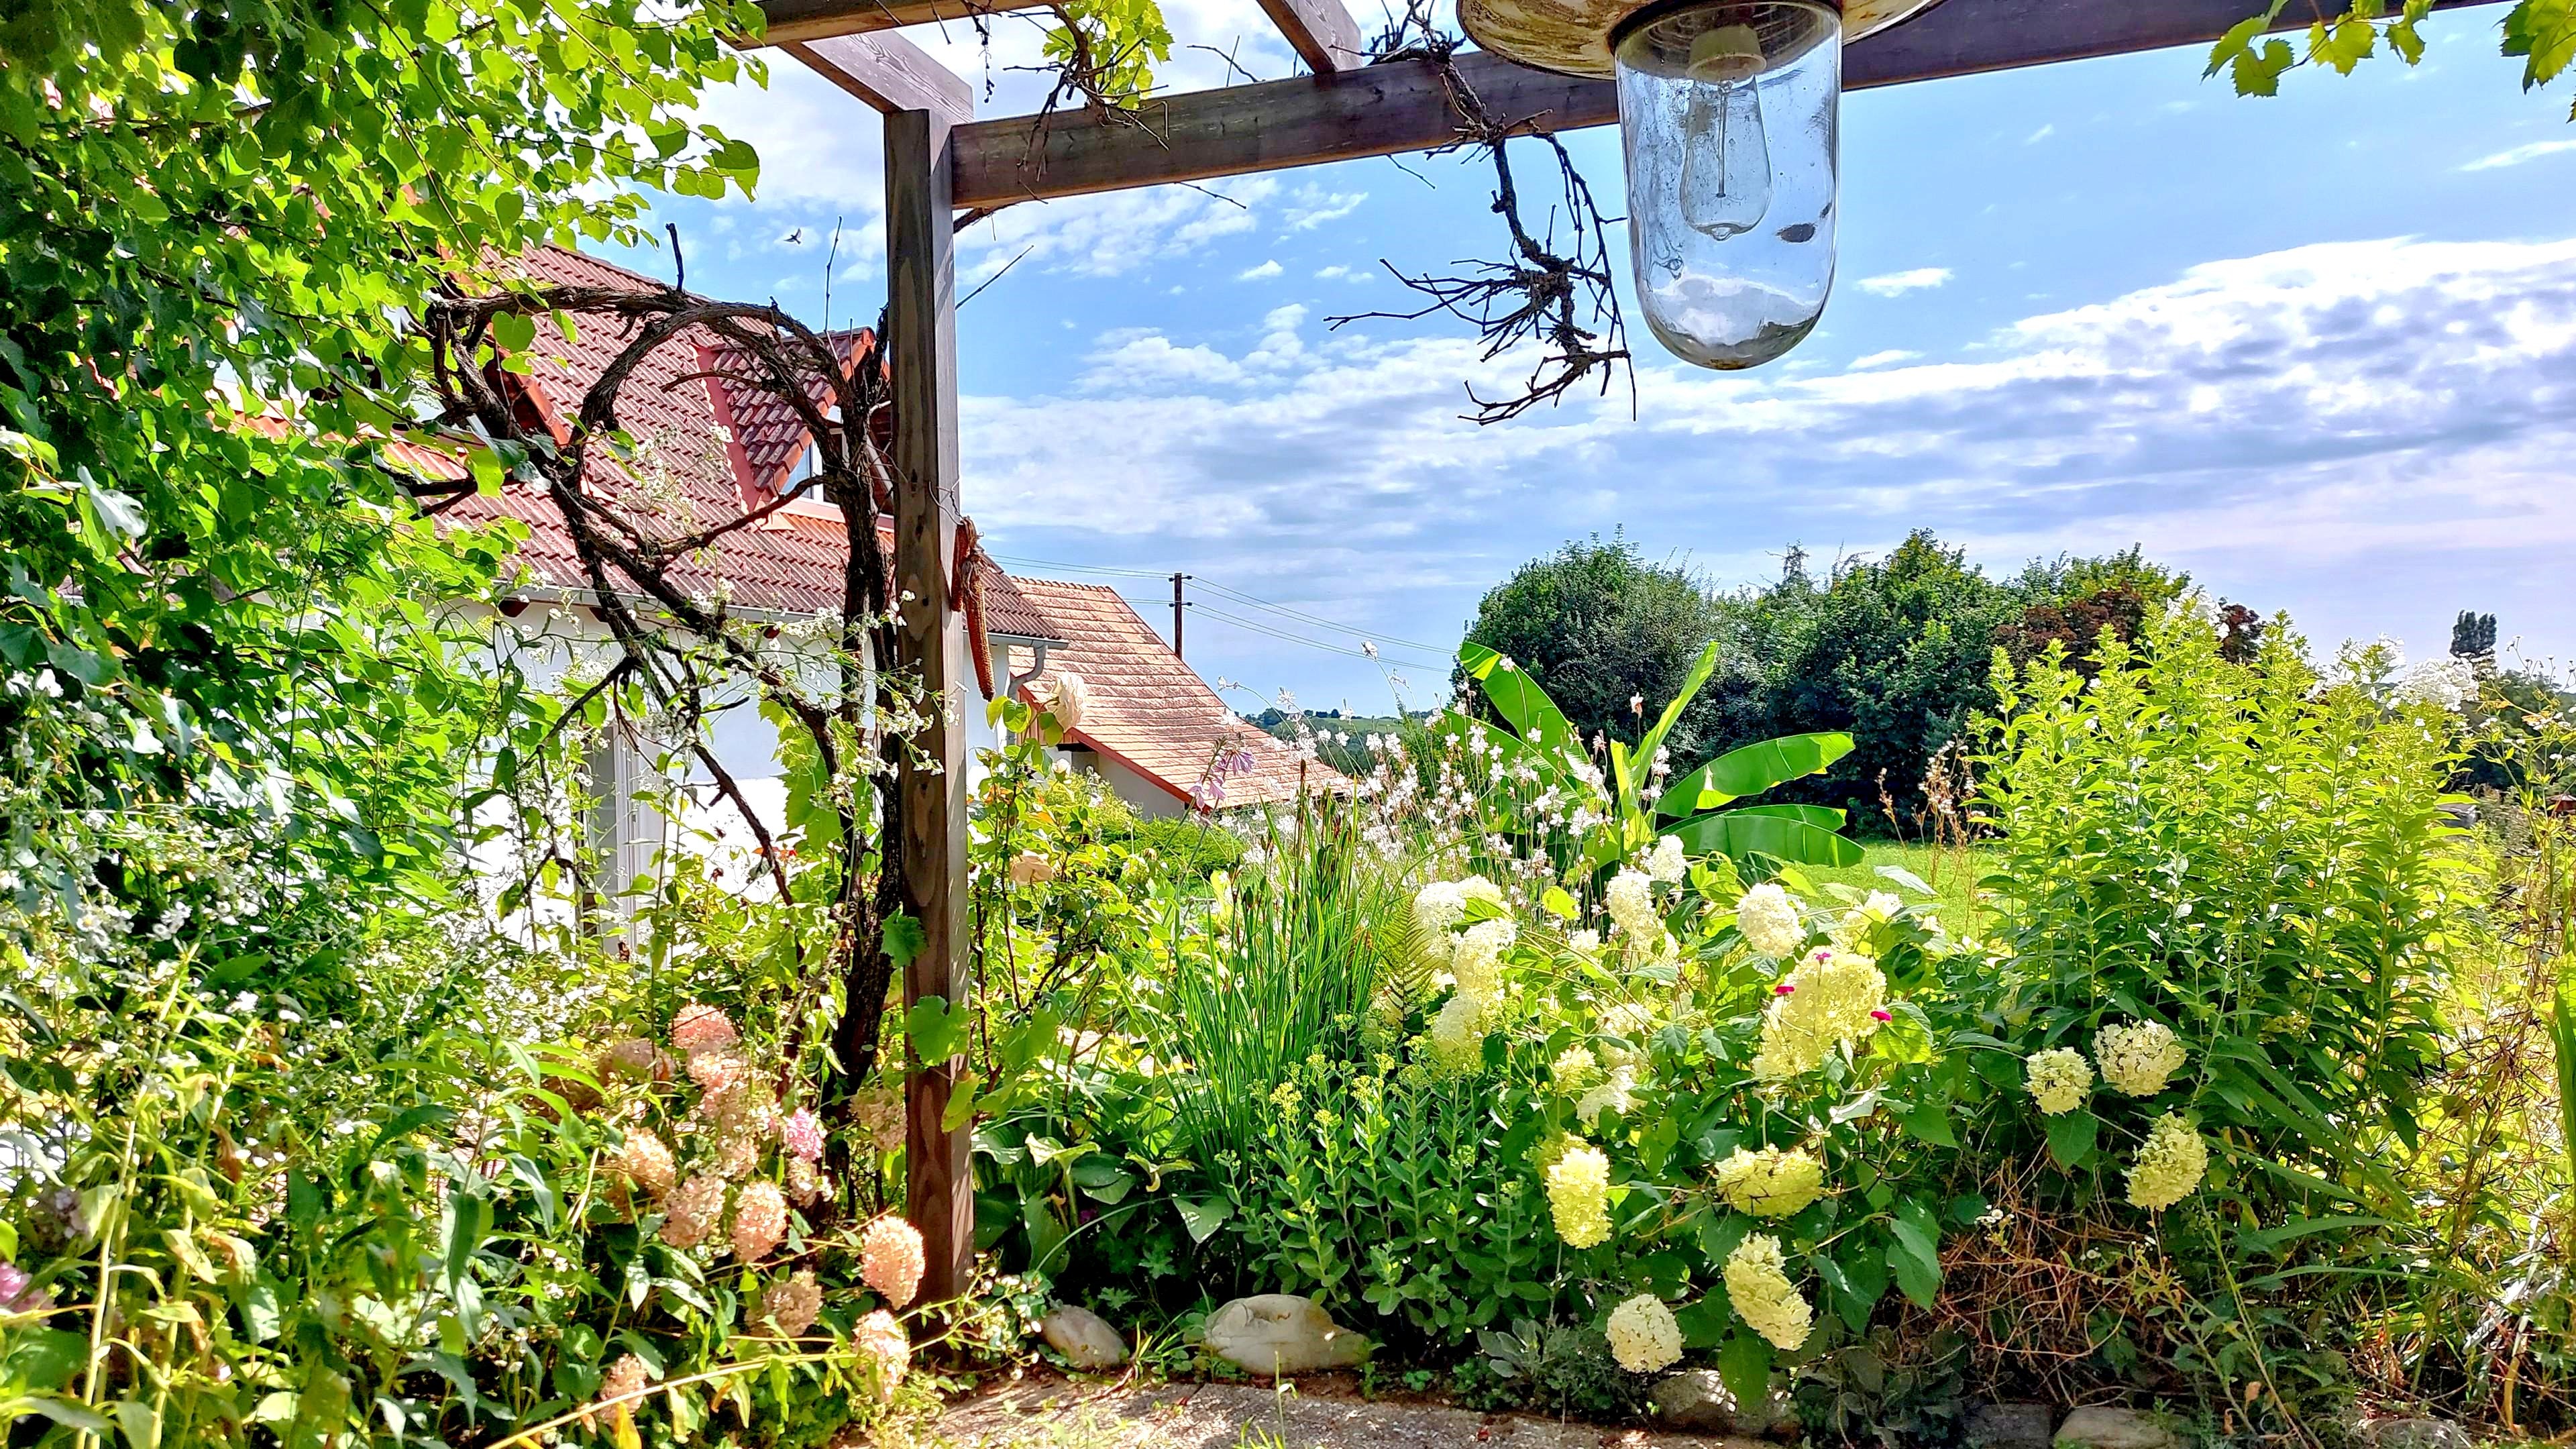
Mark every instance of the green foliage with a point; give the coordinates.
(1595, 626)
(2541, 32)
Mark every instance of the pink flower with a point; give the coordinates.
(619, 1388)
(883, 1348)
(1783, 989)
(890, 1259)
(644, 1160)
(633, 1056)
(1882, 1015)
(792, 1304)
(759, 1221)
(803, 1134)
(717, 1070)
(692, 1210)
(17, 1293)
(700, 1027)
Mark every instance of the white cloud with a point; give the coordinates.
(2045, 131)
(1339, 273)
(1882, 359)
(1112, 233)
(2520, 154)
(1262, 272)
(1144, 359)
(1898, 283)
(1314, 207)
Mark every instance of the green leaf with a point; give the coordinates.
(1744, 1365)
(45, 1360)
(514, 332)
(1917, 1272)
(961, 1101)
(2562, 1036)
(1202, 1218)
(1752, 769)
(2258, 72)
(2071, 1136)
(1704, 1324)
(938, 1030)
(1692, 683)
(1740, 834)
(1931, 1123)
(1518, 699)
(2543, 32)
(904, 940)
(1558, 903)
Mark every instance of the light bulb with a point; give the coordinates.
(1728, 112)
(1726, 184)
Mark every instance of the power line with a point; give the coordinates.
(1240, 596)
(1257, 627)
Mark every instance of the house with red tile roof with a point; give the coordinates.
(711, 449)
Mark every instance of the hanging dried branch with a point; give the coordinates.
(1564, 301)
(682, 647)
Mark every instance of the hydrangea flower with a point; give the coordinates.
(2059, 1078)
(890, 1259)
(1584, 942)
(1643, 1335)
(700, 1027)
(880, 1345)
(1856, 924)
(1757, 1282)
(1770, 1183)
(1458, 1032)
(2139, 1057)
(802, 1134)
(1631, 903)
(2169, 1165)
(631, 1056)
(717, 1070)
(1575, 1068)
(619, 1388)
(1611, 1094)
(1831, 998)
(643, 1160)
(1477, 888)
(691, 1211)
(1768, 920)
(1439, 907)
(18, 1293)
(1578, 1195)
(1477, 966)
(1668, 864)
(759, 1221)
(792, 1304)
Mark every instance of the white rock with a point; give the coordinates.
(1698, 1399)
(2100, 1428)
(1276, 1334)
(1084, 1338)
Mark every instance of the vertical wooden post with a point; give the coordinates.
(921, 330)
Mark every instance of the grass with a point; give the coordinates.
(1951, 872)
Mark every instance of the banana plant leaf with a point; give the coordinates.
(1738, 834)
(1532, 715)
(1823, 817)
(1752, 769)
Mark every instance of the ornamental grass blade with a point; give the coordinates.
(2562, 1035)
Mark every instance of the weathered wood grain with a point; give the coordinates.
(802, 20)
(890, 74)
(1320, 31)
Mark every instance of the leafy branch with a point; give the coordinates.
(2541, 32)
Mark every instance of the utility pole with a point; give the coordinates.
(1178, 604)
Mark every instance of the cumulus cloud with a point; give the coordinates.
(1113, 233)
(1314, 207)
(2520, 154)
(1262, 272)
(1895, 284)
(2394, 409)
(1882, 359)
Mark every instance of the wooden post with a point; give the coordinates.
(921, 331)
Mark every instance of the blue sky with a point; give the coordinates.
(2320, 351)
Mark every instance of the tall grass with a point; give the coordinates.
(1292, 968)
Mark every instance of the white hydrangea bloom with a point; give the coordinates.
(1578, 1195)
(1477, 888)
(1644, 1336)
(1767, 917)
(2139, 1057)
(1438, 907)
(2169, 1166)
(2059, 1078)
(1757, 1282)
(1585, 942)
(1668, 864)
(1613, 1093)
(1770, 1183)
(1457, 1033)
(1830, 999)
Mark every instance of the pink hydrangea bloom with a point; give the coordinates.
(700, 1027)
(759, 1221)
(645, 1161)
(717, 1071)
(881, 1345)
(17, 1294)
(631, 1056)
(692, 1210)
(890, 1259)
(792, 1304)
(803, 1134)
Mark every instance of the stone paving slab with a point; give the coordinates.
(1062, 1414)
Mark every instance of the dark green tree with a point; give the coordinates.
(1597, 626)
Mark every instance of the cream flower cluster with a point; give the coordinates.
(2138, 1058)
(2059, 1078)
(1613, 1093)
(1770, 1183)
(1458, 1031)
(1478, 962)
(1668, 864)
(1575, 1068)
(1643, 1335)
(1830, 999)
(2169, 1166)
(882, 1350)
(1757, 1282)
(1631, 902)
(643, 1159)
(1439, 907)
(1768, 920)
(1880, 908)
(1578, 1195)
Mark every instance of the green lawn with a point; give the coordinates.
(1952, 874)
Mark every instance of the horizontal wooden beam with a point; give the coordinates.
(1386, 110)
(890, 74)
(809, 20)
(1322, 33)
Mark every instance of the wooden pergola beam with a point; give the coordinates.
(802, 20)
(1386, 110)
(1322, 33)
(889, 73)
